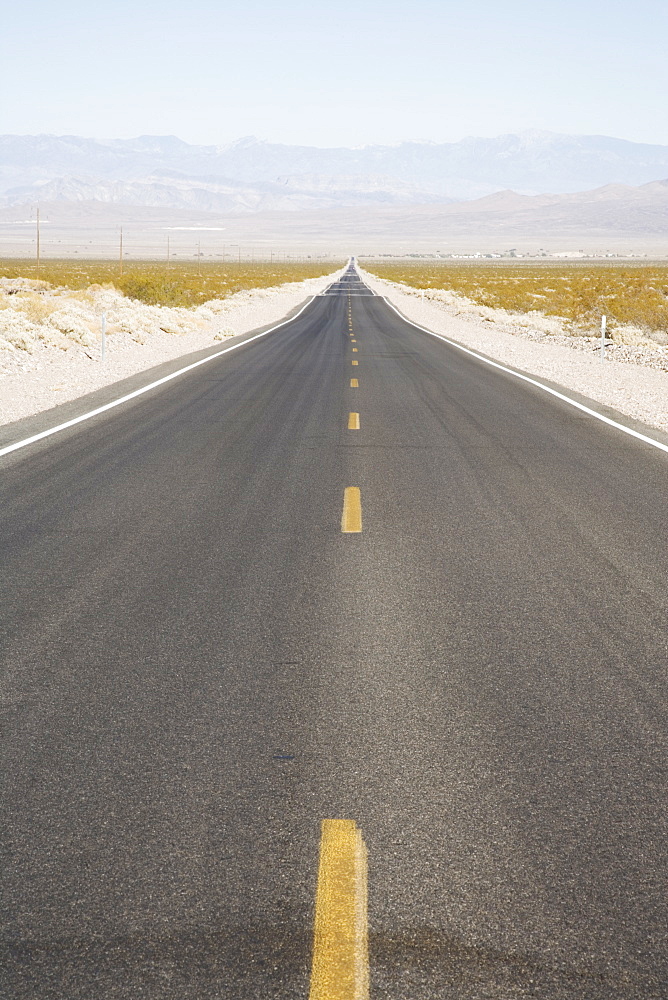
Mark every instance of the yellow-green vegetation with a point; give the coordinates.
(628, 294)
(159, 283)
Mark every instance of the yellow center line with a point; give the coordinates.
(354, 350)
(340, 969)
(353, 341)
(353, 421)
(354, 384)
(354, 362)
(351, 519)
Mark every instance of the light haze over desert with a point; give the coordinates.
(434, 128)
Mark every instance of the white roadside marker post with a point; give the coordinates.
(603, 322)
(104, 336)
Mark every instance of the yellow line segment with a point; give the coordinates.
(340, 969)
(353, 421)
(351, 519)
(353, 362)
(354, 383)
(354, 350)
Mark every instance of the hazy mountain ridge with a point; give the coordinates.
(211, 194)
(602, 217)
(153, 183)
(531, 162)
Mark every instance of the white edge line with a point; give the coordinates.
(145, 388)
(532, 381)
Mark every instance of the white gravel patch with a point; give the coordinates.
(50, 339)
(633, 378)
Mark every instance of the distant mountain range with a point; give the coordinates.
(169, 189)
(250, 175)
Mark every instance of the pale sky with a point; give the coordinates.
(377, 71)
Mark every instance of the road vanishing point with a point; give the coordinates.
(335, 667)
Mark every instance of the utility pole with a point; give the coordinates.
(199, 271)
(120, 255)
(38, 241)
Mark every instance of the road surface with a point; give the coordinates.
(199, 666)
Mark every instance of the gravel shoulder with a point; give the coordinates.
(632, 379)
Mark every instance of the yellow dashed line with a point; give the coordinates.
(354, 384)
(340, 969)
(353, 421)
(353, 362)
(351, 519)
(354, 350)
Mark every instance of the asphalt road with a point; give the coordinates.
(199, 666)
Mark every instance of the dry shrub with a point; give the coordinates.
(36, 307)
(73, 326)
(156, 283)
